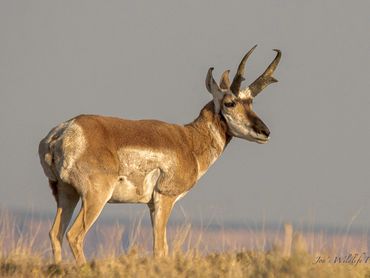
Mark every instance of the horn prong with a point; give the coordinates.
(266, 78)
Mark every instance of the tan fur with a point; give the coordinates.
(105, 159)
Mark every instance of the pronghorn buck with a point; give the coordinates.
(110, 160)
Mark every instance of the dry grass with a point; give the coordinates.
(189, 264)
(27, 254)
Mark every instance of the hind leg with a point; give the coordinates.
(67, 199)
(93, 203)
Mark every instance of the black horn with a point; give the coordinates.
(265, 78)
(239, 76)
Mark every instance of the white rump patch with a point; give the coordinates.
(73, 144)
(60, 149)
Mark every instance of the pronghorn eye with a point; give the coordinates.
(229, 104)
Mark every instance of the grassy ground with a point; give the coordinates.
(190, 264)
(25, 252)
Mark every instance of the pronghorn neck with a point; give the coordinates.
(209, 137)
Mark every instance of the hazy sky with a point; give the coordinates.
(137, 59)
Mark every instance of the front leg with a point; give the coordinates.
(160, 210)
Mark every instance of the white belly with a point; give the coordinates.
(135, 188)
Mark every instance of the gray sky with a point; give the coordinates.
(137, 59)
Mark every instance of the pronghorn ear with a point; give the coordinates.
(215, 90)
(225, 81)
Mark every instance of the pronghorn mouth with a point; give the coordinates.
(261, 140)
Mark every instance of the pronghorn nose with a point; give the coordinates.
(266, 132)
(261, 128)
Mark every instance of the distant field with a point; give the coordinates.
(116, 250)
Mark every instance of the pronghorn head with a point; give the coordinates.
(236, 105)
